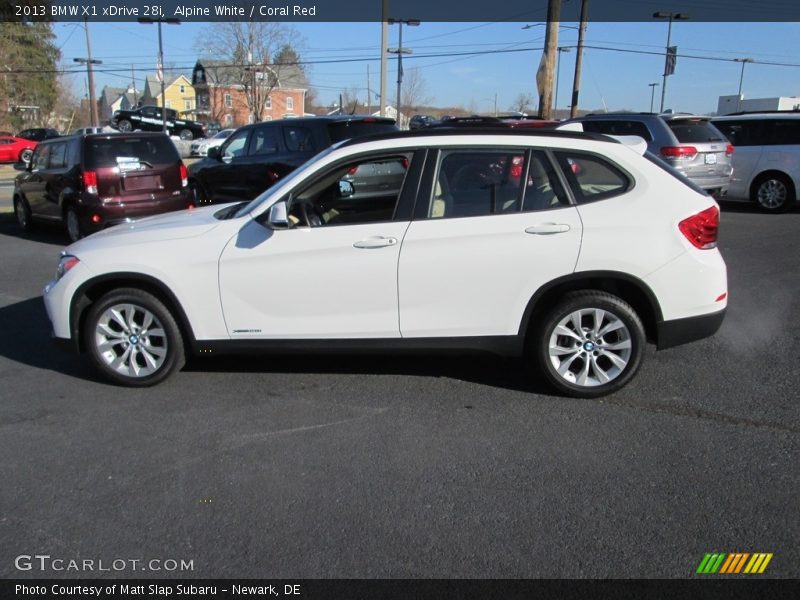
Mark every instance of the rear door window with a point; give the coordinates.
(263, 141)
(591, 177)
(130, 152)
(235, 145)
(298, 139)
(618, 128)
(698, 131)
(58, 156)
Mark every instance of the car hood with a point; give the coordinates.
(170, 226)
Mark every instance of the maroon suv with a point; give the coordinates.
(89, 182)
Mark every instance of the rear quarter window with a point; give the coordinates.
(109, 152)
(591, 177)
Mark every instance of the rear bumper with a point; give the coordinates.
(114, 214)
(682, 331)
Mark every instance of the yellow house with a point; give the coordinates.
(179, 95)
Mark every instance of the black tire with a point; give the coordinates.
(593, 351)
(186, 135)
(72, 224)
(22, 211)
(171, 342)
(773, 193)
(125, 126)
(26, 155)
(198, 193)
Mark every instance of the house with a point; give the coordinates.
(180, 95)
(222, 95)
(114, 98)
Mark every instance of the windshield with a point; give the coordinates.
(294, 176)
(223, 134)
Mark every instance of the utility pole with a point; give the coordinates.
(171, 21)
(90, 74)
(133, 84)
(384, 57)
(671, 16)
(400, 51)
(576, 82)
(560, 49)
(550, 45)
(369, 100)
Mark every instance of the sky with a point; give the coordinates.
(612, 79)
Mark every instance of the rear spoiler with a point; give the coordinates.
(634, 142)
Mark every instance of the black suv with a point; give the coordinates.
(38, 134)
(150, 118)
(256, 156)
(88, 182)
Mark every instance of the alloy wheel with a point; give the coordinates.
(131, 340)
(772, 194)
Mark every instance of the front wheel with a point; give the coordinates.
(133, 339)
(186, 135)
(22, 211)
(124, 126)
(591, 344)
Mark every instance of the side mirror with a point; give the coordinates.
(213, 152)
(21, 166)
(346, 189)
(278, 217)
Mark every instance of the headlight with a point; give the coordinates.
(65, 264)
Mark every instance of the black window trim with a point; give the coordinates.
(570, 177)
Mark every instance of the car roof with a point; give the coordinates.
(324, 119)
(445, 132)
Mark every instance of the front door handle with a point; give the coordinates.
(377, 241)
(548, 228)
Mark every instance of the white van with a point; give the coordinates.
(766, 160)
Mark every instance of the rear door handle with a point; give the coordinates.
(547, 228)
(377, 241)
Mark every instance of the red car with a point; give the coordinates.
(14, 149)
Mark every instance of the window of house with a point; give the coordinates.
(182, 89)
(335, 197)
(591, 177)
(289, 103)
(229, 119)
(168, 104)
(228, 101)
(187, 105)
(268, 118)
(250, 119)
(268, 103)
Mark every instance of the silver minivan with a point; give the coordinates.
(689, 143)
(767, 158)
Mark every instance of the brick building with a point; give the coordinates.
(221, 95)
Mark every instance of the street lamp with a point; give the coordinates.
(558, 76)
(671, 16)
(744, 61)
(652, 93)
(400, 51)
(170, 21)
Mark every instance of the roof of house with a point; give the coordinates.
(221, 72)
(109, 95)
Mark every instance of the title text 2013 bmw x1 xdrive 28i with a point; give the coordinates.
(571, 249)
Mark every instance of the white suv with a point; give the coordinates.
(571, 249)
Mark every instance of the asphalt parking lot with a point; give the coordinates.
(354, 466)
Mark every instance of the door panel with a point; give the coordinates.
(475, 276)
(311, 282)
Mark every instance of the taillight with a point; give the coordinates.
(352, 170)
(90, 181)
(701, 229)
(184, 175)
(679, 151)
(516, 166)
(729, 149)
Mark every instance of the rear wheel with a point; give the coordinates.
(124, 126)
(22, 211)
(773, 193)
(26, 155)
(133, 338)
(591, 344)
(186, 135)
(200, 196)
(73, 224)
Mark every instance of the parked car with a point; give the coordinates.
(766, 164)
(151, 118)
(15, 149)
(37, 134)
(420, 121)
(576, 269)
(690, 143)
(200, 147)
(256, 156)
(94, 181)
(524, 121)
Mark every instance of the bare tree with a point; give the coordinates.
(350, 101)
(523, 103)
(249, 47)
(414, 91)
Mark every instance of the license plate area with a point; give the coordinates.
(711, 158)
(142, 182)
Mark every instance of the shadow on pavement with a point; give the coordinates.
(45, 233)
